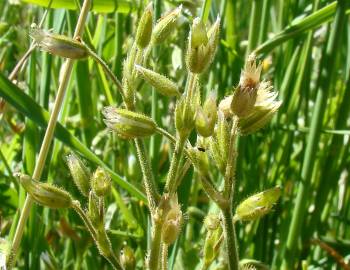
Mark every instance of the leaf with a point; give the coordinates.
(26, 105)
(103, 6)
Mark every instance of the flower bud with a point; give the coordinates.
(201, 50)
(161, 83)
(128, 124)
(210, 250)
(44, 193)
(58, 44)
(101, 182)
(219, 143)
(81, 175)
(206, 117)
(257, 205)
(185, 113)
(172, 225)
(198, 36)
(212, 222)
(165, 26)
(127, 258)
(144, 29)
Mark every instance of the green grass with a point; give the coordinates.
(305, 50)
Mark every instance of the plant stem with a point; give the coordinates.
(47, 138)
(148, 179)
(109, 255)
(170, 185)
(164, 257)
(153, 260)
(230, 239)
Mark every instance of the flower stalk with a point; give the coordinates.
(47, 139)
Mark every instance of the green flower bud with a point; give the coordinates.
(81, 175)
(206, 117)
(165, 26)
(185, 111)
(144, 29)
(212, 222)
(198, 36)
(172, 224)
(128, 124)
(127, 258)
(58, 44)
(44, 193)
(257, 205)
(218, 144)
(250, 264)
(201, 51)
(161, 83)
(210, 250)
(101, 182)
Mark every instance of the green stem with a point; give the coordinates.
(47, 138)
(148, 179)
(230, 239)
(108, 254)
(153, 260)
(164, 257)
(170, 185)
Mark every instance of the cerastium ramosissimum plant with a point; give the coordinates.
(250, 107)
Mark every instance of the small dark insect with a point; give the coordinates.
(201, 149)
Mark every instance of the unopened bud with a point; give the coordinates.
(128, 124)
(257, 205)
(81, 175)
(144, 29)
(101, 182)
(212, 222)
(198, 36)
(127, 258)
(206, 117)
(161, 83)
(58, 44)
(44, 193)
(172, 225)
(165, 26)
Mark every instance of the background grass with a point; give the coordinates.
(305, 149)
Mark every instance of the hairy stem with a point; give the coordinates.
(148, 179)
(153, 260)
(47, 138)
(230, 239)
(164, 257)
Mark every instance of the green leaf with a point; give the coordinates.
(26, 105)
(102, 6)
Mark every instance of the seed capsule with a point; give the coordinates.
(206, 117)
(101, 182)
(81, 175)
(44, 193)
(165, 26)
(144, 29)
(172, 225)
(257, 205)
(58, 44)
(128, 124)
(161, 83)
